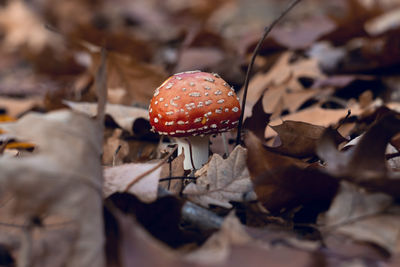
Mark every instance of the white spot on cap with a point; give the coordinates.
(155, 120)
(156, 92)
(235, 109)
(225, 122)
(169, 85)
(216, 75)
(169, 123)
(200, 104)
(177, 97)
(218, 110)
(169, 112)
(191, 83)
(213, 126)
(218, 92)
(159, 115)
(155, 103)
(197, 120)
(235, 122)
(180, 131)
(178, 78)
(207, 87)
(226, 84)
(181, 122)
(208, 102)
(207, 114)
(161, 99)
(195, 94)
(166, 105)
(226, 109)
(230, 93)
(220, 101)
(206, 93)
(183, 89)
(171, 133)
(208, 79)
(150, 110)
(182, 110)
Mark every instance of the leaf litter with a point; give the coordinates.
(312, 185)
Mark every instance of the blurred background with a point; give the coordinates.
(332, 54)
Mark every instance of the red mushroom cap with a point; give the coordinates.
(193, 103)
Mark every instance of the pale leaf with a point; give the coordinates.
(116, 179)
(226, 180)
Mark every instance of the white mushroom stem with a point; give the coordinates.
(199, 147)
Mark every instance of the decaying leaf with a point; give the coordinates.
(116, 179)
(364, 216)
(283, 183)
(365, 163)
(225, 181)
(65, 178)
(299, 139)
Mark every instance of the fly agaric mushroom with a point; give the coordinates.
(194, 104)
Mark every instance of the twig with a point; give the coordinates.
(138, 178)
(267, 30)
(177, 178)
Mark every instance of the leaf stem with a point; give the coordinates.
(267, 30)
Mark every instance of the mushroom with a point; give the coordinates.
(194, 104)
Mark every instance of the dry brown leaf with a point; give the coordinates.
(65, 178)
(218, 247)
(299, 139)
(314, 115)
(24, 28)
(15, 107)
(139, 80)
(115, 150)
(364, 217)
(116, 179)
(226, 180)
(282, 183)
(124, 116)
(174, 170)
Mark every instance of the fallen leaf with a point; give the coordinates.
(124, 116)
(365, 163)
(364, 216)
(217, 249)
(14, 107)
(66, 184)
(116, 179)
(314, 115)
(282, 183)
(174, 169)
(299, 139)
(226, 180)
(115, 149)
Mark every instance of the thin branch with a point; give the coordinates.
(138, 178)
(177, 178)
(267, 30)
